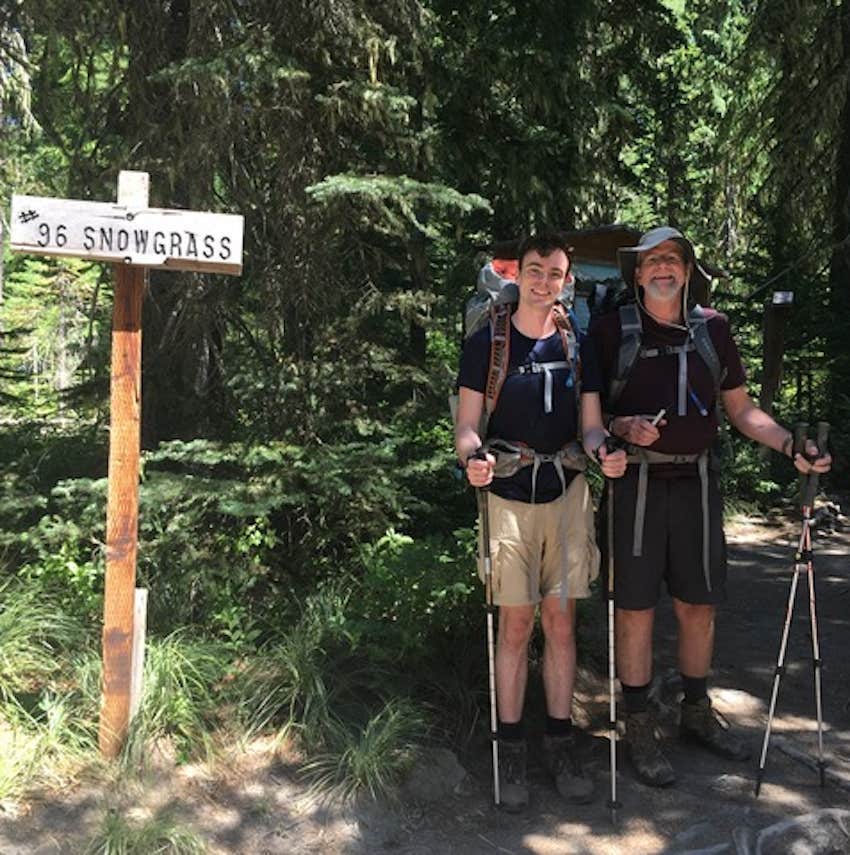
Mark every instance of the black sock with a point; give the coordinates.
(511, 731)
(558, 726)
(695, 688)
(635, 698)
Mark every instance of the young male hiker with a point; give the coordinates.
(540, 513)
(660, 353)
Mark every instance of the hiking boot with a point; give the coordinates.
(563, 764)
(513, 787)
(702, 724)
(650, 764)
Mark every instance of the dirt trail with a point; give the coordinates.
(256, 806)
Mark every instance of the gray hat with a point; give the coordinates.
(627, 256)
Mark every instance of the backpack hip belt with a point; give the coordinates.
(513, 456)
(644, 458)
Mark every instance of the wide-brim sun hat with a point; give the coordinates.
(627, 256)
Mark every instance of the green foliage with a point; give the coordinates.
(45, 747)
(749, 477)
(186, 685)
(300, 681)
(157, 835)
(415, 595)
(33, 630)
(297, 497)
(392, 201)
(370, 760)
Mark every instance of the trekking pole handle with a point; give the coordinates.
(480, 453)
(822, 437)
(812, 478)
(801, 432)
(613, 443)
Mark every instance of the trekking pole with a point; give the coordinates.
(809, 498)
(484, 517)
(802, 563)
(611, 444)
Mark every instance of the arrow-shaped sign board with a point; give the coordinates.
(146, 237)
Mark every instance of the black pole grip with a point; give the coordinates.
(613, 443)
(480, 453)
(801, 431)
(811, 487)
(822, 438)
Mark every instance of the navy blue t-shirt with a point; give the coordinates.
(519, 415)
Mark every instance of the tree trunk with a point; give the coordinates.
(839, 272)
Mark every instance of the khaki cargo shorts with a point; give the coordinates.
(537, 549)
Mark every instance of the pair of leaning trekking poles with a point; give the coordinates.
(803, 563)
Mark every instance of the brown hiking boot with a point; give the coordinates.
(702, 724)
(513, 787)
(562, 761)
(650, 764)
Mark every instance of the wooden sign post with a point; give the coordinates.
(136, 238)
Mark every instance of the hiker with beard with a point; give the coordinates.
(662, 353)
(541, 542)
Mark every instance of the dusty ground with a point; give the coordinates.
(256, 805)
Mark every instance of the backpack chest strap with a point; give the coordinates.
(681, 351)
(546, 369)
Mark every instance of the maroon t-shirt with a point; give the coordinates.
(653, 382)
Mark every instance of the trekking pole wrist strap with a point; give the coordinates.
(787, 449)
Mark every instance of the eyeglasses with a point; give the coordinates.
(671, 259)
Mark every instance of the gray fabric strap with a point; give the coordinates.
(545, 368)
(640, 507)
(644, 457)
(631, 330)
(635, 454)
(683, 383)
(706, 528)
(535, 468)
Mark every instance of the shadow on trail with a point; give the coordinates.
(262, 807)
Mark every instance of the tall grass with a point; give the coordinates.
(42, 738)
(293, 682)
(370, 760)
(33, 633)
(160, 835)
(185, 694)
(45, 748)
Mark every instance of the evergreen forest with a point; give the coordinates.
(308, 547)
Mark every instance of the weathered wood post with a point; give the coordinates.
(135, 238)
(122, 503)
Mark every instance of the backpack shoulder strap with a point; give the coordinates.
(500, 353)
(631, 334)
(698, 325)
(566, 326)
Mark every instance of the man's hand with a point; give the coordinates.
(479, 471)
(809, 463)
(613, 463)
(636, 430)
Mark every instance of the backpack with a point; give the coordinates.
(631, 349)
(494, 301)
